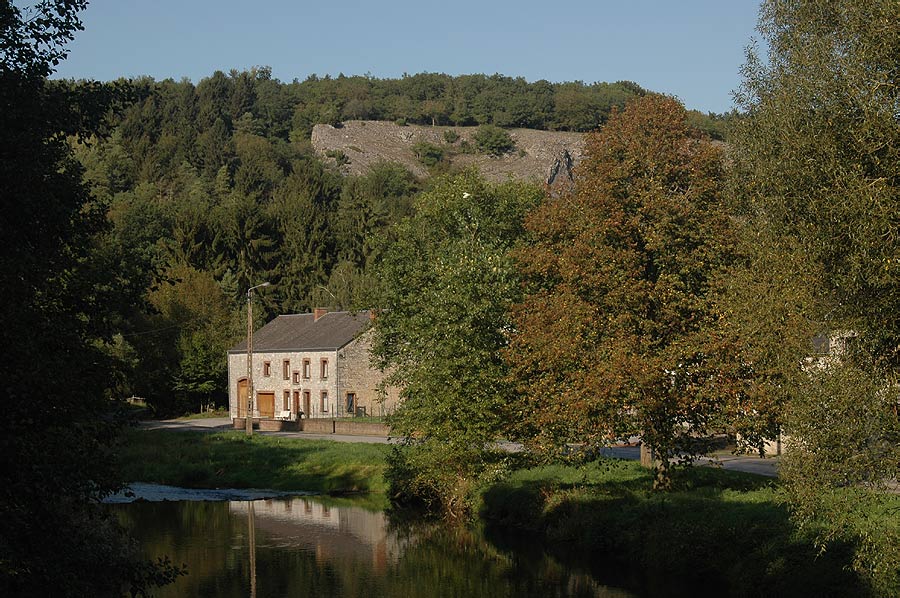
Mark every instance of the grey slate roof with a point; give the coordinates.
(299, 332)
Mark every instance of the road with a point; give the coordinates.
(765, 467)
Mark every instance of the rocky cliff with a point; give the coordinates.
(545, 157)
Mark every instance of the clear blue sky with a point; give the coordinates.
(690, 48)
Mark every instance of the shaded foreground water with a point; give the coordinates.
(313, 546)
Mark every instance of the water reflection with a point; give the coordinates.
(330, 532)
(316, 547)
(251, 535)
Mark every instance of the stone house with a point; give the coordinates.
(312, 365)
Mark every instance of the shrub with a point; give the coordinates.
(340, 158)
(428, 153)
(451, 136)
(493, 140)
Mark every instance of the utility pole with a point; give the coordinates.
(249, 418)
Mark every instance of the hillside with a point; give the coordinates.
(542, 156)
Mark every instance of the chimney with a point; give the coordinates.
(319, 312)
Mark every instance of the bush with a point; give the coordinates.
(836, 475)
(428, 153)
(441, 479)
(340, 158)
(451, 136)
(493, 140)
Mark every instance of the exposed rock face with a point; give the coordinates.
(545, 157)
(561, 177)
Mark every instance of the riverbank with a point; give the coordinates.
(234, 460)
(722, 530)
(728, 533)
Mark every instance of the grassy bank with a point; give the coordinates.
(723, 531)
(233, 460)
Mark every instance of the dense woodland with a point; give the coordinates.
(212, 188)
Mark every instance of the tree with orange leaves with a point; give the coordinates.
(619, 330)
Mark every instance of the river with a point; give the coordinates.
(320, 547)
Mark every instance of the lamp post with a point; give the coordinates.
(249, 419)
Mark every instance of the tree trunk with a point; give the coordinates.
(647, 458)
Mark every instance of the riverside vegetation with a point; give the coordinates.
(731, 531)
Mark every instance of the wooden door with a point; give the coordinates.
(295, 407)
(242, 387)
(266, 404)
(306, 403)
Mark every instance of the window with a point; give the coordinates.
(324, 371)
(296, 378)
(306, 369)
(286, 401)
(267, 368)
(286, 369)
(324, 401)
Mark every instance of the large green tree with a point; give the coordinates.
(817, 162)
(620, 327)
(447, 281)
(55, 452)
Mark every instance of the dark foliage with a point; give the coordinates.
(54, 454)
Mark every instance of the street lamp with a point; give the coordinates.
(249, 419)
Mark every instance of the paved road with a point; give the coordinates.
(766, 467)
(222, 424)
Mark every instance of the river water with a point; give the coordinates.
(320, 547)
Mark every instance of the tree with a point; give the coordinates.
(55, 454)
(301, 207)
(817, 161)
(618, 330)
(447, 282)
(201, 315)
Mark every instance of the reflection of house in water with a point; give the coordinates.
(330, 532)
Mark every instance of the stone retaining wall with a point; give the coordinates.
(353, 428)
(317, 426)
(347, 427)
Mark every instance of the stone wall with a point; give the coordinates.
(344, 426)
(317, 426)
(352, 428)
(275, 382)
(357, 375)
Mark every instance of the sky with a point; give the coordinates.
(692, 49)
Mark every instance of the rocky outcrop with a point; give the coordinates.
(562, 177)
(544, 157)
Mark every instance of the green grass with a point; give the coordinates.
(234, 460)
(724, 531)
(222, 412)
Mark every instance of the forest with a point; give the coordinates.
(212, 188)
